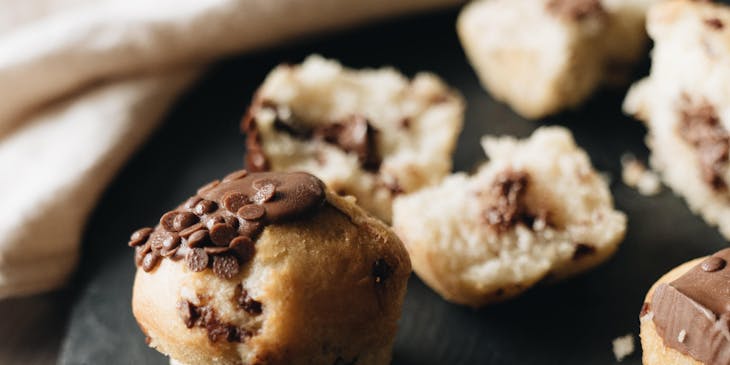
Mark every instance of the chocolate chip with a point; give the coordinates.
(505, 198)
(714, 23)
(405, 123)
(197, 259)
(583, 250)
(171, 241)
(221, 234)
(209, 186)
(184, 220)
(140, 252)
(185, 233)
(190, 203)
(243, 247)
(198, 238)
(381, 271)
(231, 221)
(225, 266)
(240, 174)
(205, 207)
(264, 193)
(216, 250)
(157, 239)
(250, 228)
(169, 252)
(233, 201)
(150, 261)
(139, 237)
(187, 312)
(712, 264)
(167, 221)
(251, 212)
(214, 220)
(245, 302)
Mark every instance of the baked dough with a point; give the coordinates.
(536, 211)
(372, 134)
(544, 56)
(685, 103)
(322, 282)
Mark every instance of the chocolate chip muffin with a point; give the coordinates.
(372, 134)
(269, 268)
(684, 319)
(685, 104)
(545, 56)
(536, 211)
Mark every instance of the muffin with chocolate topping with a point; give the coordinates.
(685, 317)
(544, 56)
(536, 211)
(685, 104)
(269, 268)
(372, 134)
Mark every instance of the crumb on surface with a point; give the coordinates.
(636, 175)
(623, 346)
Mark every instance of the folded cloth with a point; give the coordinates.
(84, 82)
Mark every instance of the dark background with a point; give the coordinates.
(568, 323)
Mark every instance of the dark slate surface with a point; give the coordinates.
(569, 323)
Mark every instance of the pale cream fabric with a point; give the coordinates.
(83, 82)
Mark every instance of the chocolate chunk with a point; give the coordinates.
(251, 212)
(700, 126)
(191, 202)
(150, 261)
(353, 135)
(185, 233)
(209, 186)
(714, 23)
(225, 266)
(576, 9)
(243, 247)
(381, 271)
(264, 194)
(221, 234)
(187, 312)
(247, 303)
(712, 264)
(171, 241)
(205, 207)
(645, 308)
(691, 313)
(233, 201)
(240, 174)
(197, 259)
(505, 195)
(582, 250)
(198, 238)
(139, 237)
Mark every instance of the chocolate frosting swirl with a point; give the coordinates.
(691, 313)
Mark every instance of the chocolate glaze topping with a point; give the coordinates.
(691, 313)
(575, 9)
(217, 228)
(353, 134)
(701, 127)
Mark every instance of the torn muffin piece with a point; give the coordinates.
(545, 56)
(372, 134)
(685, 104)
(536, 210)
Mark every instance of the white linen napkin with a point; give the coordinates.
(84, 82)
